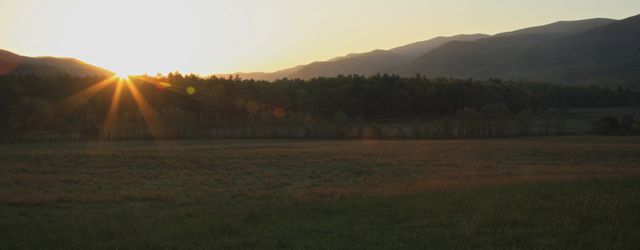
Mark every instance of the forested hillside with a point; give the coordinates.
(593, 51)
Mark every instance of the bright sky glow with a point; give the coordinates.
(220, 36)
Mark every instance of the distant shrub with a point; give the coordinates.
(524, 121)
(374, 132)
(446, 127)
(636, 126)
(627, 122)
(607, 124)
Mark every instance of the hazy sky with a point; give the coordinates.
(215, 36)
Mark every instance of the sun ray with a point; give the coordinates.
(112, 115)
(170, 87)
(122, 75)
(71, 104)
(149, 114)
(157, 83)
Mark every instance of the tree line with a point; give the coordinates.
(457, 107)
(615, 125)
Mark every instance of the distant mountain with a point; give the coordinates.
(591, 50)
(607, 53)
(11, 63)
(418, 48)
(362, 64)
(493, 56)
(264, 76)
(604, 53)
(561, 27)
(368, 63)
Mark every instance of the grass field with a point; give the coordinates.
(555, 192)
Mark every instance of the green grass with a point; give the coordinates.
(584, 214)
(535, 193)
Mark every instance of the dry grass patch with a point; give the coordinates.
(198, 170)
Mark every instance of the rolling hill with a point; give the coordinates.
(368, 63)
(597, 51)
(591, 50)
(11, 63)
(492, 57)
(607, 53)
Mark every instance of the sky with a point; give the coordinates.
(225, 36)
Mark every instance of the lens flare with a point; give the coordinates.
(124, 81)
(191, 90)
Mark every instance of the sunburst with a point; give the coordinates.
(122, 81)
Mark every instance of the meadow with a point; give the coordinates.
(538, 192)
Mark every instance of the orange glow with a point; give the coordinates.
(122, 75)
(112, 116)
(279, 113)
(150, 116)
(148, 113)
(160, 85)
(259, 35)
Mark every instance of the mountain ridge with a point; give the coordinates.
(594, 51)
(470, 55)
(359, 63)
(15, 64)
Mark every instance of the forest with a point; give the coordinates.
(189, 106)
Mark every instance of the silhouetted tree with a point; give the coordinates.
(446, 127)
(627, 122)
(559, 122)
(32, 114)
(233, 103)
(496, 117)
(607, 124)
(525, 119)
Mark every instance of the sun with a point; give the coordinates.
(122, 75)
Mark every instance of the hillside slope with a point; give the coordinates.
(11, 63)
(493, 57)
